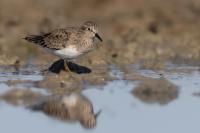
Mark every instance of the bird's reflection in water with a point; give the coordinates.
(73, 107)
(70, 107)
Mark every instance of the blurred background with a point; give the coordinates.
(134, 31)
(148, 63)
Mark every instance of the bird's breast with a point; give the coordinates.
(86, 45)
(69, 52)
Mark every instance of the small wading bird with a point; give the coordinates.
(68, 43)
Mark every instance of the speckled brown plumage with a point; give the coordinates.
(61, 38)
(57, 39)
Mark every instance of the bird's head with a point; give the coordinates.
(91, 29)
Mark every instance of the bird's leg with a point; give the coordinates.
(66, 66)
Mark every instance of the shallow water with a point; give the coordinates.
(121, 111)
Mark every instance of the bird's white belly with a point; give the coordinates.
(67, 53)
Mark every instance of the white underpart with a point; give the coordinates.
(69, 52)
(70, 100)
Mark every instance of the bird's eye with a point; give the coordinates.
(88, 28)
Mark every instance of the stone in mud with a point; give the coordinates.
(156, 91)
(9, 60)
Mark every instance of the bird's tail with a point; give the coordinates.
(36, 107)
(34, 39)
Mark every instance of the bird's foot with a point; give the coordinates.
(66, 67)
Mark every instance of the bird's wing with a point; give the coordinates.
(57, 39)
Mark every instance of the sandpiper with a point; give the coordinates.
(68, 43)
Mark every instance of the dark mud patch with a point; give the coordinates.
(58, 66)
(196, 94)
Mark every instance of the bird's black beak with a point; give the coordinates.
(97, 35)
(97, 114)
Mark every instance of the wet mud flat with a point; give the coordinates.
(127, 98)
(133, 31)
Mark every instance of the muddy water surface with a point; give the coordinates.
(156, 101)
